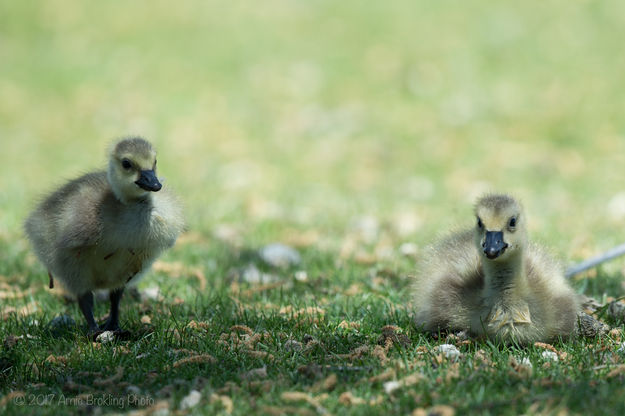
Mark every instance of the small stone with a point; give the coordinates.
(105, 337)
(450, 351)
(391, 386)
(191, 400)
(301, 276)
(621, 349)
(409, 249)
(521, 364)
(151, 293)
(133, 390)
(550, 355)
(251, 274)
(280, 255)
(526, 362)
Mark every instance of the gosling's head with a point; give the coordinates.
(132, 169)
(500, 227)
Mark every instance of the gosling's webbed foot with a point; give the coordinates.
(110, 325)
(511, 323)
(112, 322)
(506, 319)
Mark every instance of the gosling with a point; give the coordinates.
(489, 281)
(104, 230)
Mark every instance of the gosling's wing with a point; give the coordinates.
(557, 301)
(543, 270)
(448, 283)
(72, 212)
(454, 256)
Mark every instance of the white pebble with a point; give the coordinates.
(621, 349)
(280, 255)
(524, 362)
(105, 337)
(252, 274)
(409, 249)
(450, 351)
(301, 276)
(191, 400)
(391, 386)
(151, 293)
(550, 355)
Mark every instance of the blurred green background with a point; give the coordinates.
(280, 117)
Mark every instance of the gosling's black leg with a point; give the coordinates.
(112, 323)
(85, 302)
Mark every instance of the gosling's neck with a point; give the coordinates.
(505, 279)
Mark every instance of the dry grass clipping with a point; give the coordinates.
(225, 401)
(298, 396)
(111, 380)
(54, 359)
(388, 374)
(327, 384)
(196, 359)
(349, 399)
(440, 410)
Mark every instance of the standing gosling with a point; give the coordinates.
(490, 281)
(105, 229)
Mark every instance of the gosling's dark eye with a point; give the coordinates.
(512, 222)
(126, 164)
(479, 223)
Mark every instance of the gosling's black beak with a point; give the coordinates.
(494, 246)
(149, 181)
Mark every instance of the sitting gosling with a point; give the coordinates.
(105, 229)
(489, 281)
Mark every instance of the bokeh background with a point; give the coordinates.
(311, 120)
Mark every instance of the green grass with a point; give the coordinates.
(302, 122)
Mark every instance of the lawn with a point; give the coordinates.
(353, 132)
